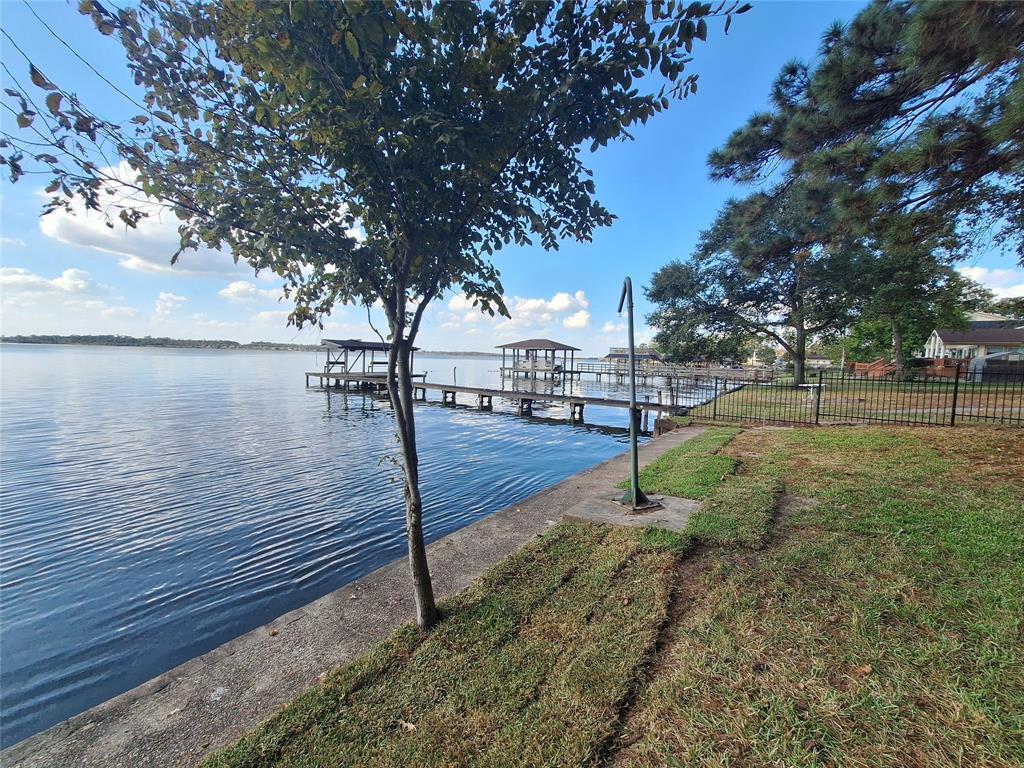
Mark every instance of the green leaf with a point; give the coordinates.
(352, 45)
(24, 119)
(702, 30)
(164, 116)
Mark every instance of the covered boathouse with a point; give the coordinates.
(531, 357)
(354, 361)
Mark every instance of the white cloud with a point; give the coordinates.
(71, 296)
(167, 303)
(563, 302)
(147, 248)
(242, 291)
(577, 320)
(13, 242)
(279, 317)
(1005, 283)
(460, 301)
(120, 312)
(610, 327)
(530, 316)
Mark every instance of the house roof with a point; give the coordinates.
(538, 344)
(357, 345)
(983, 335)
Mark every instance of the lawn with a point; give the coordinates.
(883, 627)
(691, 470)
(528, 667)
(870, 617)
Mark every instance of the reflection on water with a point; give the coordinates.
(157, 503)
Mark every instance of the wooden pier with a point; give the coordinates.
(523, 400)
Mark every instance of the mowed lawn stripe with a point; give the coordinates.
(508, 645)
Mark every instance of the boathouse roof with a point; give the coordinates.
(356, 345)
(538, 344)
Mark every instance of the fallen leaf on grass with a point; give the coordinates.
(864, 671)
(407, 727)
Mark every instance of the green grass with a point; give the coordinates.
(879, 624)
(884, 627)
(737, 512)
(528, 667)
(691, 470)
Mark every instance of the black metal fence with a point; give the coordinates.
(980, 397)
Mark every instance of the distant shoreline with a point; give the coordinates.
(159, 342)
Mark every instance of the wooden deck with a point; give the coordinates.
(524, 400)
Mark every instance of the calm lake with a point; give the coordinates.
(159, 502)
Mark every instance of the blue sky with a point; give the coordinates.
(70, 274)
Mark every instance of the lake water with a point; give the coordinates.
(158, 502)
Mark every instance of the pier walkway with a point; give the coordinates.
(523, 399)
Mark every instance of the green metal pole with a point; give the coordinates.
(634, 496)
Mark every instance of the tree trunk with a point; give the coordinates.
(897, 348)
(400, 390)
(799, 356)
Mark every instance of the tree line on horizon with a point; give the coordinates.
(119, 340)
(893, 156)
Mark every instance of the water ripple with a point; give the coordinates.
(157, 503)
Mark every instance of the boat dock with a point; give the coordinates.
(523, 400)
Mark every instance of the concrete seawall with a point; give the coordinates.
(178, 717)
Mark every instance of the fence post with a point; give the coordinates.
(817, 401)
(714, 402)
(956, 392)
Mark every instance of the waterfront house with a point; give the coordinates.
(986, 334)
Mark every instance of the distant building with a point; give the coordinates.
(986, 334)
(817, 359)
(645, 353)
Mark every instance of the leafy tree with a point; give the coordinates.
(765, 354)
(366, 151)
(896, 320)
(770, 267)
(916, 107)
(910, 286)
(1010, 307)
(688, 341)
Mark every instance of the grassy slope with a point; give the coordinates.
(528, 667)
(885, 628)
(881, 627)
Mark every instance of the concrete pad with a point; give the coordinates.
(673, 514)
(177, 718)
